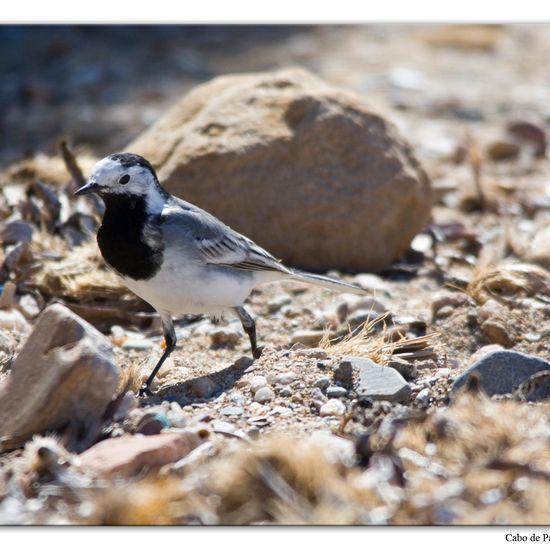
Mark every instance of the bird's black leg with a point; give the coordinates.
(250, 328)
(170, 338)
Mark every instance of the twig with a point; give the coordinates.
(78, 180)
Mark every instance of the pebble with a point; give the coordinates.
(423, 397)
(260, 421)
(13, 320)
(291, 312)
(28, 306)
(257, 382)
(152, 423)
(333, 407)
(237, 398)
(539, 248)
(489, 310)
(232, 411)
(313, 353)
(372, 282)
(322, 383)
(176, 417)
(497, 332)
(307, 337)
(529, 131)
(407, 370)
(317, 398)
(264, 395)
(285, 392)
(285, 378)
(221, 426)
(336, 391)
(445, 311)
(278, 302)
(224, 337)
(137, 344)
(503, 150)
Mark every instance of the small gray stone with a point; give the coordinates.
(264, 395)
(333, 407)
(503, 371)
(322, 383)
(336, 391)
(224, 337)
(407, 370)
(237, 398)
(378, 383)
(232, 411)
(285, 392)
(137, 344)
(285, 378)
(278, 302)
(423, 397)
(257, 383)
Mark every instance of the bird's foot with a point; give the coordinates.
(144, 391)
(257, 353)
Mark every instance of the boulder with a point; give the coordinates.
(312, 172)
(64, 375)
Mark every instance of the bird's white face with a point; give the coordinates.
(119, 176)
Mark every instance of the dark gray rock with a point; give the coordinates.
(344, 374)
(16, 232)
(336, 391)
(407, 370)
(503, 371)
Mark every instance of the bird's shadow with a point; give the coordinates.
(202, 389)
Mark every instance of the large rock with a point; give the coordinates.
(64, 375)
(502, 372)
(129, 454)
(311, 172)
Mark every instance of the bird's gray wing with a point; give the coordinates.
(214, 242)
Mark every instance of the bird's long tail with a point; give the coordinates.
(326, 282)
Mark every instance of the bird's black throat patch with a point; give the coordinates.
(122, 241)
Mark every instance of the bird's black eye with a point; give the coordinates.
(124, 179)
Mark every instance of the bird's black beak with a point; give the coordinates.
(90, 187)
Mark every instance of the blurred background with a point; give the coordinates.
(101, 85)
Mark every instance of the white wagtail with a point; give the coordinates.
(177, 257)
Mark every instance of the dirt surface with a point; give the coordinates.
(456, 95)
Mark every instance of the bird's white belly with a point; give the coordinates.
(192, 289)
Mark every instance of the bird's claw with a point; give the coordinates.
(257, 353)
(144, 391)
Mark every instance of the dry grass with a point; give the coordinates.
(509, 283)
(375, 345)
(45, 168)
(80, 276)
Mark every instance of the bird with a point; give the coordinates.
(176, 256)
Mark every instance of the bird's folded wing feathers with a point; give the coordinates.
(217, 243)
